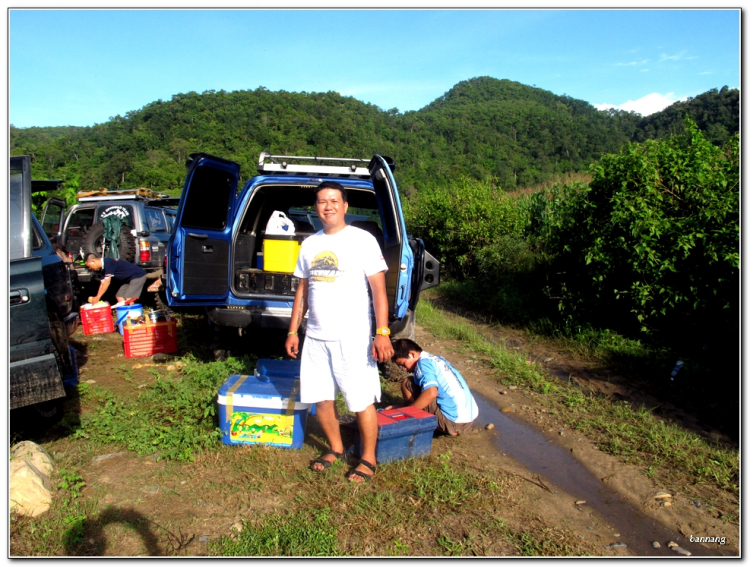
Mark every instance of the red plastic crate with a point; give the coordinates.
(150, 338)
(97, 320)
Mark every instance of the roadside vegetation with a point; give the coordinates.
(664, 450)
(638, 268)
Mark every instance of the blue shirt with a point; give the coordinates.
(122, 270)
(454, 398)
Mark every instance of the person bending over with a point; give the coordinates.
(132, 277)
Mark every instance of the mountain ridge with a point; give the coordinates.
(481, 127)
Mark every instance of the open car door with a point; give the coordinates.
(199, 251)
(397, 251)
(53, 217)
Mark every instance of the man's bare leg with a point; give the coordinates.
(367, 420)
(329, 422)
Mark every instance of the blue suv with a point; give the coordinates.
(215, 255)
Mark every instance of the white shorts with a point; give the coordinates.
(328, 367)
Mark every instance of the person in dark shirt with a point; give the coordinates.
(132, 277)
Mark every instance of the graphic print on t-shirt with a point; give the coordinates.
(325, 267)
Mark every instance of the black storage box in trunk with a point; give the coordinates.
(250, 280)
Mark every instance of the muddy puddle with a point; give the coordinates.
(560, 470)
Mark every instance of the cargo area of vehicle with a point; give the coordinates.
(249, 278)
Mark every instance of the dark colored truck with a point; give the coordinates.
(41, 304)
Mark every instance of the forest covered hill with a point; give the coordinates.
(482, 127)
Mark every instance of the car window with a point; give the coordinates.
(208, 204)
(171, 216)
(51, 224)
(358, 214)
(15, 215)
(125, 212)
(155, 220)
(78, 221)
(36, 239)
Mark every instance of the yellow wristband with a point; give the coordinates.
(291, 333)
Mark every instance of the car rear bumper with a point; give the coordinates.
(35, 380)
(258, 317)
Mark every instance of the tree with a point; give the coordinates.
(658, 229)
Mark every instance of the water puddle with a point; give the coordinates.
(556, 466)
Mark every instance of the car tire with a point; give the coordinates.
(36, 419)
(49, 413)
(160, 299)
(92, 242)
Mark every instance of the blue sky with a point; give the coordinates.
(81, 67)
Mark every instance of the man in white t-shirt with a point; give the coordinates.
(336, 268)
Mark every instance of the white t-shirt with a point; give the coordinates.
(337, 267)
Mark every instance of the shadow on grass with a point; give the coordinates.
(86, 536)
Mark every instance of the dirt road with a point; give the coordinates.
(140, 505)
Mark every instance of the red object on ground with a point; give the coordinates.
(386, 417)
(97, 321)
(150, 338)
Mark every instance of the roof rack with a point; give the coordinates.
(104, 194)
(344, 167)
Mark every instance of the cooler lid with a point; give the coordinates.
(259, 387)
(281, 237)
(270, 368)
(401, 420)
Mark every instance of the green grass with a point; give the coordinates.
(175, 416)
(59, 529)
(512, 366)
(635, 434)
(638, 436)
(303, 533)
(428, 506)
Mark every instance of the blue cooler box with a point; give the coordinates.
(403, 433)
(262, 409)
(269, 368)
(286, 368)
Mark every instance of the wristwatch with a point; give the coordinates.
(385, 331)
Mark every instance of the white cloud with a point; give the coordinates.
(632, 63)
(676, 57)
(644, 106)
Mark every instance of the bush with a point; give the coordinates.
(657, 231)
(458, 220)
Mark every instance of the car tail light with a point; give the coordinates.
(145, 251)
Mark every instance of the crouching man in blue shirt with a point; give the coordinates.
(435, 387)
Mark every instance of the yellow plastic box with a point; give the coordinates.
(280, 253)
